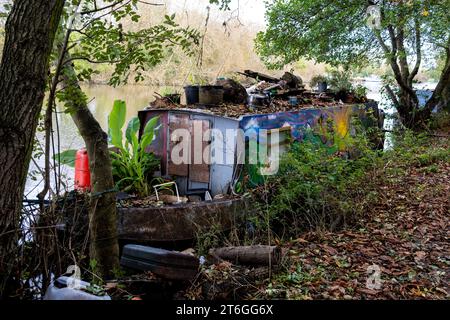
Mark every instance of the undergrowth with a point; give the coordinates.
(316, 190)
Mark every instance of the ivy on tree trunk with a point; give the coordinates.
(104, 248)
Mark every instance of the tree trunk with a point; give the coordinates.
(30, 31)
(441, 95)
(104, 248)
(252, 255)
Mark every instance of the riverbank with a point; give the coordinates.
(398, 250)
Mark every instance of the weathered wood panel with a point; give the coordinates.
(199, 170)
(179, 124)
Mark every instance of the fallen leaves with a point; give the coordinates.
(406, 236)
(419, 256)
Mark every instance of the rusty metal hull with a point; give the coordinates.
(178, 222)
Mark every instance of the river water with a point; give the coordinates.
(101, 99)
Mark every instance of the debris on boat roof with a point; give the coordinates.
(269, 95)
(305, 101)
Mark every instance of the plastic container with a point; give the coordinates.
(59, 291)
(257, 100)
(293, 101)
(322, 87)
(82, 171)
(192, 94)
(211, 95)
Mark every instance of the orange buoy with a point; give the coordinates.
(82, 172)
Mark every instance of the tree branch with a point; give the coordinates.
(402, 56)
(395, 68)
(95, 10)
(90, 60)
(49, 120)
(418, 51)
(392, 95)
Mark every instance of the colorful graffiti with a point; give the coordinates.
(331, 126)
(300, 121)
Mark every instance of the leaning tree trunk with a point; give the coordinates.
(104, 248)
(30, 31)
(441, 95)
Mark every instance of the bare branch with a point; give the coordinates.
(90, 60)
(392, 95)
(95, 10)
(418, 51)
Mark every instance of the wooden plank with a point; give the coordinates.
(260, 76)
(199, 171)
(178, 121)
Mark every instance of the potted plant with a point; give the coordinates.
(192, 91)
(133, 167)
(320, 83)
(174, 97)
(341, 85)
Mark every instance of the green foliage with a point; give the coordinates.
(341, 81)
(336, 32)
(67, 158)
(207, 239)
(360, 92)
(197, 79)
(168, 91)
(133, 167)
(116, 122)
(435, 72)
(72, 96)
(101, 41)
(314, 188)
(440, 120)
(415, 150)
(318, 190)
(223, 4)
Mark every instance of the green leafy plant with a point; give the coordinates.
(168, 91)
(133, 167)
(316, 185)
(198, 79)
(340, 82)
(67, 158)
(360, 93)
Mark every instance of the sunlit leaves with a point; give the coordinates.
(131, 52)
(116, 120)
(223, 4)
(336, 32)
(66, 158)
